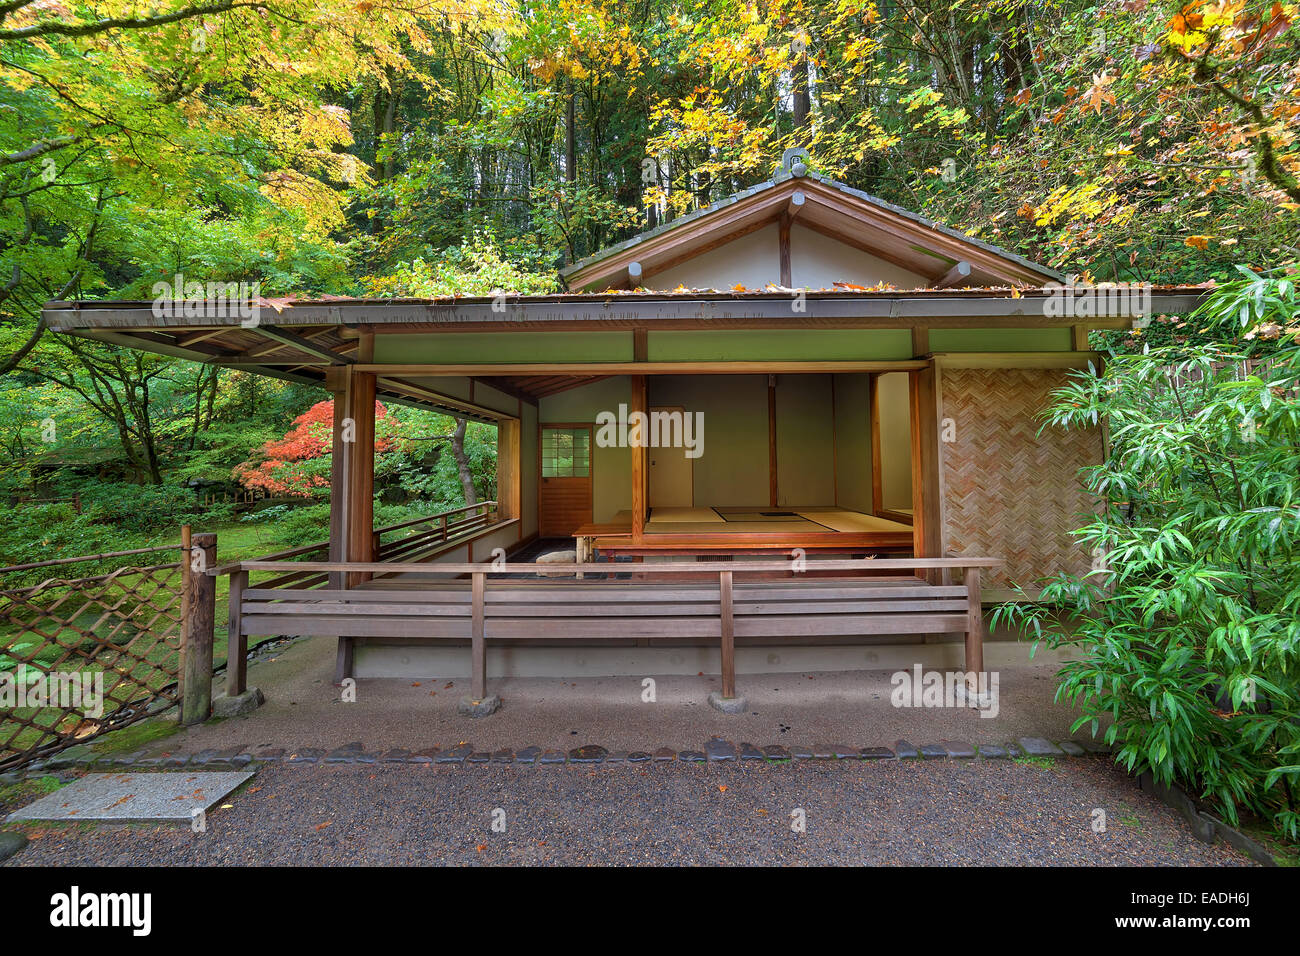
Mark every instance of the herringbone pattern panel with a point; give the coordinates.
(1009, 492)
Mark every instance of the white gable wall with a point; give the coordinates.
(818, 262)
(753, 261)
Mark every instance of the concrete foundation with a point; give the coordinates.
(377, 658)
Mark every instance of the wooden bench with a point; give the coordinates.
(411, 604)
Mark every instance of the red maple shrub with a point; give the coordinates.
(298, 464)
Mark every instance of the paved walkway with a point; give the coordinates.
(855, 812)
(304, 709)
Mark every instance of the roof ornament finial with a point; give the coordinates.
(795, 161)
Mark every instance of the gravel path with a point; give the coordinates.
(883, 812)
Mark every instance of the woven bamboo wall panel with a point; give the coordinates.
(1009, 492)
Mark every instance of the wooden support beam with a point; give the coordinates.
(773, 489)
(958, 274)
(1080, 336)
(920, 341)
(509, 488)
(926, 506)
(360, 479)
(640, 474)
(640, 345)
(797, 202)
(783, 241)
(727, 611)
(302, 344)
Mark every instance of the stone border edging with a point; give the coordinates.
(716, 750)
(1205, 827)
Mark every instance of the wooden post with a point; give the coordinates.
(728, 635)
(198, 604)
(361, 473)
(639, 460)
(927, 511)
(974, 623)
(236, 640)
(478, 646)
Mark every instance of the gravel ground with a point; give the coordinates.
(935, 812)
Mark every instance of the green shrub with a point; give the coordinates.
(1187, 630)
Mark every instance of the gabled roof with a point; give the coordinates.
(841, 212)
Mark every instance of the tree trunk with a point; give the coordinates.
(462, 463)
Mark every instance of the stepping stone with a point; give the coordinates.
(307, 755)
(844, 752)
(905, 750)
(505, 755)
(478, 756)
(750, 752)
(618, 756)
(801, 753)
(638, 756)
(427, 755)
(691, 756)
(396, 755)
(1039, 747)
(342, 755)
(175, 761)
(1070, 748)
(528, 755)
(933, 750)
(11, 843)
(665, 753)
(720, 750)
(589, 753)
(773, 752)
(270, 755)
(126, 797)
(1093, 745)
(877, 753)
(993, 752)
(822, 752)
(455, 754)
(553, 756)
(957, 748)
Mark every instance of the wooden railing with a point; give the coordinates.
(431, 535)
(862, 602)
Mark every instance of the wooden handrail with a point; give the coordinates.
(440, 516)
(861, 564)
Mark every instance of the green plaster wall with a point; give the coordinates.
(482, 347)
(789, 345)
(1001, 340)
(805, 440)
(733, 468)
(853, 441)
(895, 440)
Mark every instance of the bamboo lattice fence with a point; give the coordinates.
(60, 630)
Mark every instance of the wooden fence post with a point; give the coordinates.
(478, 646)
(974, 623)
(236, 640)
(728, 635)
(198, 604)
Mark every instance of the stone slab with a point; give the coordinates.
(128, 797)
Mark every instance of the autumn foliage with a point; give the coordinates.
(299, 463)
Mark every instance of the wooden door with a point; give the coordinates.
(564, 500)
(672, 474)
